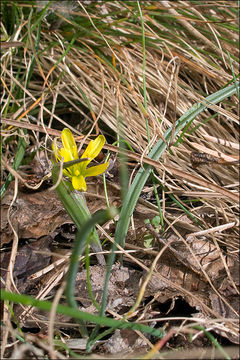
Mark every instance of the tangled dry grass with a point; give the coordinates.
(96, 85)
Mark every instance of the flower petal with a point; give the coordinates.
(96, 170)
(79, 183)
(68, 152)
(66, 155)
(94, 148)
(69, 144)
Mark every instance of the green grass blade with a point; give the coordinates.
(143, 174)
(76, 314)
(199, 107)
(16, 163)
(213, 341)
(155, 154)
(79, 244)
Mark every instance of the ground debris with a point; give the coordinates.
(33, 215)
(28, 261)
(122, 291)
(124, 341)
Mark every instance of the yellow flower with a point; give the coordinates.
(78, 172)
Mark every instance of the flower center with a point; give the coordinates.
(77, 172)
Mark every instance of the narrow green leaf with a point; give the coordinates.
(76, 314)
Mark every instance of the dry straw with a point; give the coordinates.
(191, 52)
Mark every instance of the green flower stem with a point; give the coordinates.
(94, 241)
(76, 207)
(79, 244)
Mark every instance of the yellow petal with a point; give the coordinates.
(96, 170)
(69, 144)
(79, 183)
(94, 148)
(66, 155)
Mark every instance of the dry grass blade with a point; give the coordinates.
(80, 65)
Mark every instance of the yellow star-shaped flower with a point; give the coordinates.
(78, 172)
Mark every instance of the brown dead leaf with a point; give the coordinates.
(33, 215)
(124, 341)
(122, 290)
(194, 270)
(28, 261)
